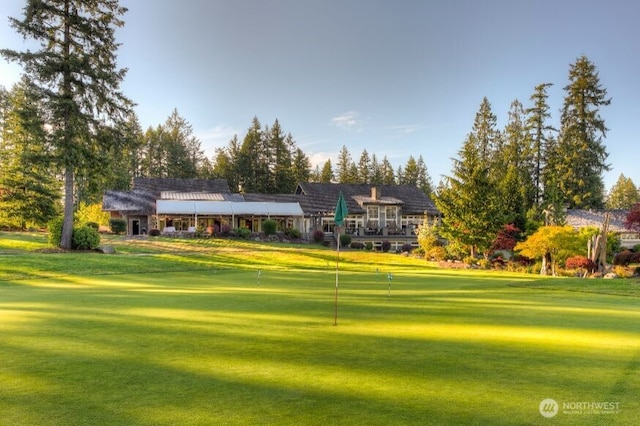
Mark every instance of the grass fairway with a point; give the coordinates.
(216, 332)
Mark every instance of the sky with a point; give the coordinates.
(398, 78)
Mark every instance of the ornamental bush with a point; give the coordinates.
(293, 233)
(85, 238)
(243, 233)
(345, 240)
(580, 262)
(118, 226)
(386, 245)
(154, 232)
(318, 236)
(54, 228)
(437, 254)
(406, 248)
(269, 226)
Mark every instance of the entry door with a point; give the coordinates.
(135, 227)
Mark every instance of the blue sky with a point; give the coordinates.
(396, 78)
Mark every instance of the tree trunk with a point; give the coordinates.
(547, 265)
(67, 225)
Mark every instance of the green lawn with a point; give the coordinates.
(170, 332)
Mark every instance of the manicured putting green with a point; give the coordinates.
(171, 332)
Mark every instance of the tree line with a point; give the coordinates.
(68, 131)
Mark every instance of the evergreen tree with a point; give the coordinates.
(484, 130)
(541, 134)
(74, 73)
(343, 172)
(399, 176)
(182, 147)
(327, 172)
(224, 165)
(580, 157)
(376, 171)
(364, 168)
(280, 160)
(471, 210)
(623, 194)
(388, 175)
(29, 190)
(353, 174)
(516, 169)
(424, 179)
(410, 175)
(252, 162)
(301, 167)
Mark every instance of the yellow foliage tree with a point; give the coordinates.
(550, 244)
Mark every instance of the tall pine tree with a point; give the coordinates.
(469, 200)
(541, 134)
(75, 74)
(580, 156)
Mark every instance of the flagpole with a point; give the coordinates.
(340, 213)
(335, 316)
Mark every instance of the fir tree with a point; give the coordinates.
(580, 155)
(75, 74)
(29, 190)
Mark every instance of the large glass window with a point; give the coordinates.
(373, 214)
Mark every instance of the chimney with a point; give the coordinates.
(375, 193)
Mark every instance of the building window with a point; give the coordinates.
(392, 215)
(373, 216)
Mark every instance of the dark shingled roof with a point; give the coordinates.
(141, 200)
(314, 198)
(157, 185)
(578, 218)
(322, 197)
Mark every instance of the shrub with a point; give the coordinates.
(243, 233)
(437, 254)
(54, 227)
(386, 245)
(225, 230)
(357, 245)
(484, 263)
(345, 240)
(624, 258)
(469, 260)
(623, 271)
(580, 262)
(318, 236)
(94, 225)
(155, 232)
(406, 248)
(269, 226)
(368, 246)
(118, 226)
(85, 238)
(294, 233)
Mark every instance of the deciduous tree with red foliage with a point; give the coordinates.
(633, 218)
(507, 238)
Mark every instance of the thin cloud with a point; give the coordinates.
(399, 131)
(350, 120)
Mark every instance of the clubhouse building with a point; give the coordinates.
(180, 206)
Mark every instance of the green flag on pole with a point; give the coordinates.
(341, 213)
(341, 210)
